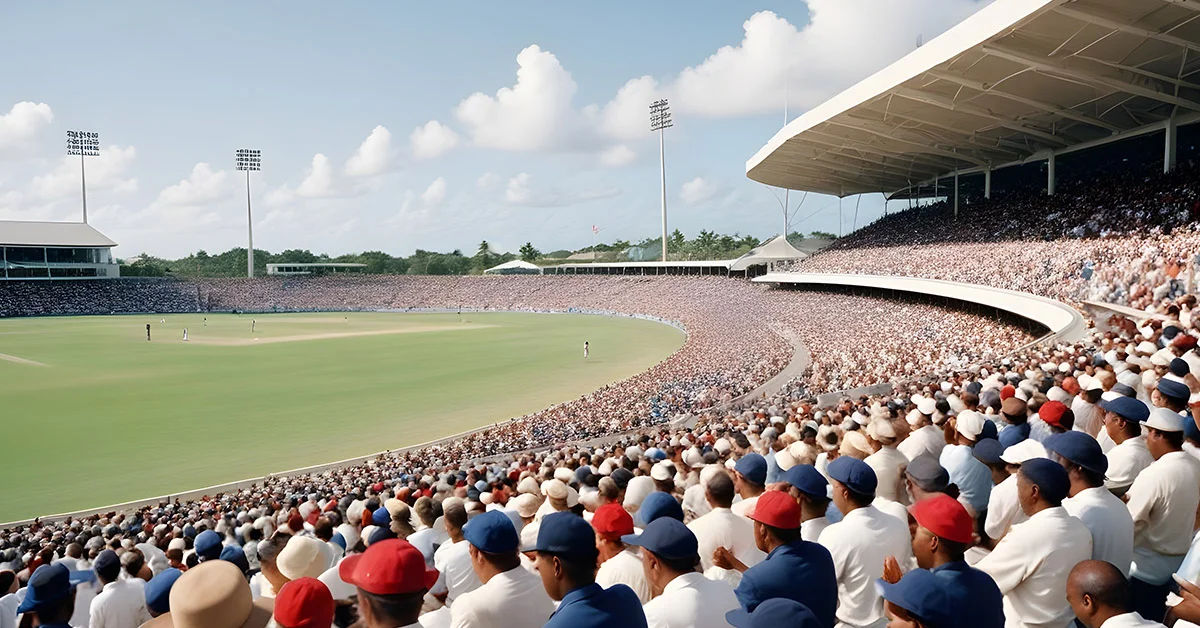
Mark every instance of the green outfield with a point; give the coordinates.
(94, 414)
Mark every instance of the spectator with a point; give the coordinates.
(566, 561)
(121, 601)
(509, 595)
(683, 598)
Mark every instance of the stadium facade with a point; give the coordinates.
(55, 250)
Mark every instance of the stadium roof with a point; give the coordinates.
(25, 233)
(514, 265)
(777, 249)
(1015, 81)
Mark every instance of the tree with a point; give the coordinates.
(822, 235)
(676, 240)
(528, 253)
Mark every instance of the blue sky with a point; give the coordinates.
(393, 126)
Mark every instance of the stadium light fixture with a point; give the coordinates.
(249, 160)
(660, 121)
(84, 144)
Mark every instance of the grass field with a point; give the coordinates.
(94, 414)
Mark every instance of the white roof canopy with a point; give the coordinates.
(777, 249)
(26, 233)
(514, 265)
(1018, 79)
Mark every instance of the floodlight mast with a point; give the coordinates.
(249, 160)
(660, 120)
(84, 144)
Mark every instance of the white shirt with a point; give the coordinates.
(1088, 418)
(1107, 518)
(8, 610)
(691, 600)
(1126, 461)
(927, 440)
(889, 507)
(625, 568)
(423, 540)
(740, 508)
(722, 528)
(1030, 565)
(1163, 502)
(859, 543)
(811, 530)
(1004, 511)
(515, 598)
(695, 504)
(453, 562)
(886, 463)
(120, 604)
(972, 477)
(1130, 620)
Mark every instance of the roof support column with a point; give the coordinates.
(1051, 180)
(987, 182)
(956, 194)
(1170, 144)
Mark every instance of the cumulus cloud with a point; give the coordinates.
(373, 156)
(435, 194)
(318, 183)
(487, 180)
(617, 156)
(104, 173)
(203, 185)
(520, 192)
(21, 125)
(432, 140)
(698, 190)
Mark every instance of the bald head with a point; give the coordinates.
(1097, 591)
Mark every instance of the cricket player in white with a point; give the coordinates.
(185, 334)
(585, 349)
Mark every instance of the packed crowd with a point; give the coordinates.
(71, 297)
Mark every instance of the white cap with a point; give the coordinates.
(722, 446)
(1027, 449)
(881, 428)
(554, 489)
(969, 424)
(662, 471)
(526, 504)
(1165, 420)
(563, 475)
(927, 406)
(1056, 393)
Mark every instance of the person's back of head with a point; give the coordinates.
(1097, 591)
(425, 511)
(719, 488)
(455, 515)
(132, 562)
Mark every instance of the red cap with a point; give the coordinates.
(304, 603)
(1184, 341)
(612, 521)
(1007, 391)
(776, 509)
(377, 487)
(1071, 385)
(295, 522)
(388, 567)
(944, 517)
(1052, 412)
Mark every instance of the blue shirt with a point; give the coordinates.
(774, 473)
(1013, 434)
(973, 595)
(593, 606)
(800, 571)
(972, 477)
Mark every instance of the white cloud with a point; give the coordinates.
(373, 156)
(627, 115)
(698, 190)
(435, 194)
(319, 182)
(21, 124)
(432, 140)
(617, 156)
(487, 180)
(204, 185)
(520, 192)
(104, 173)
(534, 114)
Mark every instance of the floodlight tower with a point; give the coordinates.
(660, 120)
(84, 144)
(251, 161)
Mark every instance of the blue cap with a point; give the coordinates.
(1180, 367)
(923, 595)
(189, 531)
(1190, 431)
(807, 480)
(1128, 408)
(988, 450)
(158, 590)
(855, 474)
(777, 612)
(381, 534)
(1173, 389)
(657, 505)
(338, 540)
(105, 560)
(566, 534)
(50, 583)
(1170, 331)
(1098, 360)
(989, 431)
(1124, 390)
(667, 538)
(1050, 478)
(236, 555)
(1079, 448)
(492, 532)
(381, 517)
(753, 467)
(208, 545)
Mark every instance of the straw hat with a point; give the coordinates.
(214, 594)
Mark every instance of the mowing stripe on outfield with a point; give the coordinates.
(13, 358)
(237, 342)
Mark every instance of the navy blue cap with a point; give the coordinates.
(807, 480)
(1190, 430)
(1098, 360)
(381, 517)
(923, 595)
(988, 450)
(189, 531)
(1128, 408)
(1173, 389)
(658, 505)
(492, 533)
(1124, 390)
(753, 467)
(106, 560)
(855, 474)
(777, 612)
(667, 538)
(158, 590)
(208, 545)
(338, 540)
(381, 534)
(621, 476)
(236, 555)
(1079, 448)
(1050, 478)
(1179, 367)
(989, 431)
(566, 534)
(974, 388)
(1170, 331)
(50, 583)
